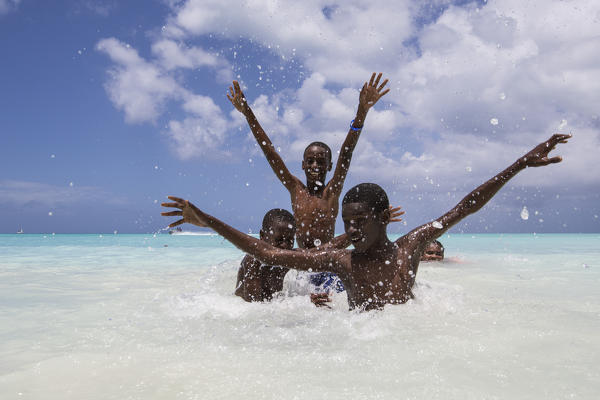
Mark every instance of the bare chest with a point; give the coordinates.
(375, 283)
(315, 218)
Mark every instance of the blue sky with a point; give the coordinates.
(107, 107)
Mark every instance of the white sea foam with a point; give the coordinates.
(97, 318)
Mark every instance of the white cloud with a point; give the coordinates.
(175, 55)
(141, 88)
(8, 5)
(136, 86)
(200, 135)
(360, 36)
(194, 137)
(527, 66)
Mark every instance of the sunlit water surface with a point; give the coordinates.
(154, 317)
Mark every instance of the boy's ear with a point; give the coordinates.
(330, 165)
(303, 165)
(262, 235)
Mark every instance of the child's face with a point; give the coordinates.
(316, 163)
(433, 252)
(361, 224)
(280, 234)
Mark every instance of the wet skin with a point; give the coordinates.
(315, 204)
(378, 271)
(259, 282)
(433, 252)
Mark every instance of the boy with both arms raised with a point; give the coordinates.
(378, 271)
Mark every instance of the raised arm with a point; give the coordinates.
(324, 260)
(237, 98)
(370, 93)
(473, 202)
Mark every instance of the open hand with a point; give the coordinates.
(395, 214)
(189, 212)
(237, 98)
(538, 157)
(370, 93)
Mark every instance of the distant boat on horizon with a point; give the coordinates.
(20, 230)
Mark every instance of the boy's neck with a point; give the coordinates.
(315, 187)
(380, 248)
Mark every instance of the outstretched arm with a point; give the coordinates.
(473, 202)
(237, 98)
(300, 259)
(370, 93)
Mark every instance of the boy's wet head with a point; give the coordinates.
(434, 251)
(316, 161)
(365, 211)
(279, 228)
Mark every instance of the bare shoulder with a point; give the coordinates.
(333, 190)
(408, 245)
(297, 186)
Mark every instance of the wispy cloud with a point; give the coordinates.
(7, 6)
(26, 194)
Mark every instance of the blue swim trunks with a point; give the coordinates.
(326, 282)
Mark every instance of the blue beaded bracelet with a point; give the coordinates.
(353, 128)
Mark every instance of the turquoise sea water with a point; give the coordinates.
(154, 316)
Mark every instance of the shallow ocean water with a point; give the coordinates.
(124, 317)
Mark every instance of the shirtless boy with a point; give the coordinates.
(259, 282)
(378, 271)
(316, 204)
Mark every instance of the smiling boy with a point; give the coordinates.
(315, 204)
(378, 271)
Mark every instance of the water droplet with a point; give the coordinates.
(319, 183)
(50, 213)
(494, 121)
(437, 224)
(71, 184)
(524, 214)
(562, 124)
(469, 169)
(317, 242)
(502, 96)
(52, 156)
(387, 262)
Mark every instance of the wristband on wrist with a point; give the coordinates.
(353, 128)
